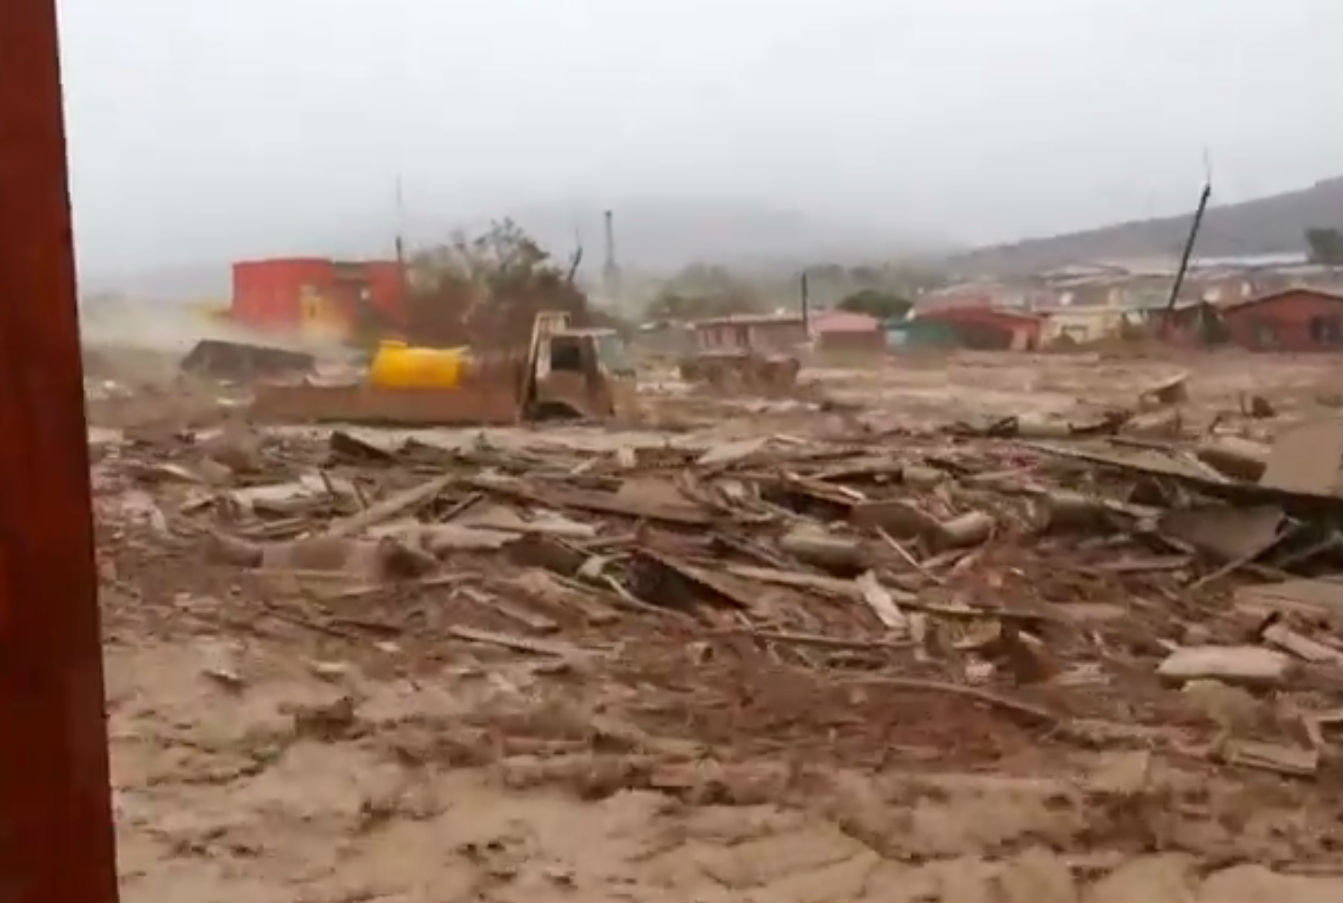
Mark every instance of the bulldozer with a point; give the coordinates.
(563, 372)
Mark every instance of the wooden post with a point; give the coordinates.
(56, 839)
(1184, 257)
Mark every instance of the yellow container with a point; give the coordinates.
(397, 365)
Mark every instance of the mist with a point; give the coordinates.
(201, 133)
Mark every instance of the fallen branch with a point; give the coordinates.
(907, 557)
(518, 643)
(814, 639)
(1026, 709)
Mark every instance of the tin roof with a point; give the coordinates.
(982, 315)
(832, 321)
(1289, 290)
(751, 320)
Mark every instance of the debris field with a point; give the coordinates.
(746, 649)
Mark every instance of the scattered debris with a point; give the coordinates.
(1224, 532)
(1240, 459)
(1307, 598)
(882, 603)
(1172, 390)
(1245, 665)
(1275, 757)
(1303, 647)
(969, 529)
(1308, 459)
(834, 587)
(390, 507)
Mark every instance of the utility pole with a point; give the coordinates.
(401, 241)
(56, 838)
(802, 289)
(1185, 254)
(610, 269)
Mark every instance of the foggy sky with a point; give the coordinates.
(212, 129)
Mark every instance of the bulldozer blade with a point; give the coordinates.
(240, 361)
(482, 405)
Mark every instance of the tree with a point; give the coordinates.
(673, 305)
(1326, 245)
(703, 290)
(874, 303)
(487, 290)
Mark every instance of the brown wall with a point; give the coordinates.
(1298, 320)
(780, 337)
(873, 340)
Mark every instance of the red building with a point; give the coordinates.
(295, 293)
(1293, 319)
(987, 329)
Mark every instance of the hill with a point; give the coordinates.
(1261, 226)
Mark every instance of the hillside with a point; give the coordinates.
(1264, 225)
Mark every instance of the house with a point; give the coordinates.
(1190, 323)
(664, 338)
(919, 334)
(1219, 287)
(979, 328)
(1292, 319)
(841, 330)
(776, 333)
(1308, 275)
(317, 295)
(1085, 309)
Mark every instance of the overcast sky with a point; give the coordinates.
(208, 129)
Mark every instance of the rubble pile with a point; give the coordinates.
(961, 595)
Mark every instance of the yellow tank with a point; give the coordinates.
(397, 365)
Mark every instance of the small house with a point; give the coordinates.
(765, 333)
(983, 328)
(1292, 319)
(318, 295)
(663, 338)
(841, 330)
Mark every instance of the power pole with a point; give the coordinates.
(610, 269)
(1185, 254)
(802, 289)
(401, 244)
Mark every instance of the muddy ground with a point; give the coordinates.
(261, 753)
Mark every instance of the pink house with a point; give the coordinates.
(840, 330)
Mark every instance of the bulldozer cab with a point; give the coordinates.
(577, 372)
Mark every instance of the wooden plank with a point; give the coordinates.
(518, 643)
(390, 507)
(610, 503)
(1311, 598)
